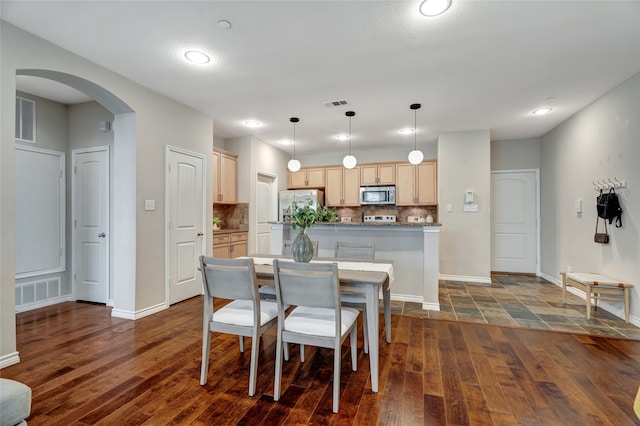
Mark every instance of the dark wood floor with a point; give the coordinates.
(86, 368)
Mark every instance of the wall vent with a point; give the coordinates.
(38, 293)
(339, 102)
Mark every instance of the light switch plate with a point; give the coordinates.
(449, 208)
(149, 205)
(470, 207)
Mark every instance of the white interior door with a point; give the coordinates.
(186, 211)
(514, 214)
(90, 192)
(266, 211)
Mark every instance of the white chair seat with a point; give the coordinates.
(318, 321)
(240, 312)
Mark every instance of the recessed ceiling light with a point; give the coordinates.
(223, 23)
(542, 111)
(252, 123)
(285, 142)
(406, 131)
(342, 137)
(434, 7)
(197, 57)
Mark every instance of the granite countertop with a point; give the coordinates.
(372, 224)
(230, 230)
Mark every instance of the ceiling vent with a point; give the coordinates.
(339, 102)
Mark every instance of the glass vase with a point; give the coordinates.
(302, 248)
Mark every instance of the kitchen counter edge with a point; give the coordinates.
(368, 224)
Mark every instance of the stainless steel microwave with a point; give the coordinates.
(378, 195)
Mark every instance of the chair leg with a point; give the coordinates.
(364, 329)
(286, 352)
(204, 370)
(354, 350)
(301, 353)
(336, 378)
(253, 370)
(241, 344)
(278, 379)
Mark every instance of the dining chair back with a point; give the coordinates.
(355, 250)
(245, 315)
(318, 318)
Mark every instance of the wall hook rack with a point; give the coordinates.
(608, 183)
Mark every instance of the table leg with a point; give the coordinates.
(588, 301)
(386, 299)
(372, 325)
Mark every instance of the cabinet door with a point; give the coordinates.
(221, 252)
(238, 249)
(315, 178)
(405, 185)
(386, 174)
(297, 179)
(228, 179)
(216, 177)
(333, 189)
(369, 174)
(427, 188)
(350, 187)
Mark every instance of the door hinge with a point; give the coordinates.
(75, 277)
(169, 167)
(60, 252)
(75, 223)
(60, 173)
(75, 170)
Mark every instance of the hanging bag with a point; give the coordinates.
(601, 238)
(609, 207)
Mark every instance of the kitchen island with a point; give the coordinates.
(413, 248)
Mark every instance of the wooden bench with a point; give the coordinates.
(598, 287)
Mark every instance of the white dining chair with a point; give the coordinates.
(355, 300)
(318, 318)
(245, 315)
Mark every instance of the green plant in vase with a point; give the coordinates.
(216, 221)
(304, 217)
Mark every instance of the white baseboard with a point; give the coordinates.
(42, 304)
(485, 280)
(110, 302)
(431, 306)
(9, 359)
(134, 315)
(406, 298)
(551, 279)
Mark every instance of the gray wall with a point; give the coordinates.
(601, 141)
(515, 154)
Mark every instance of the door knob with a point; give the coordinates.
(102, 235)
(200, 234)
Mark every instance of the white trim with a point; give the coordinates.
(131, 315)
(9, 359)
(406, 298)
(551, 279)
(74, 154)
(538, 230)
(431, 307)
(63, 206)
(167, 212)
(483, 280)
(42, 304)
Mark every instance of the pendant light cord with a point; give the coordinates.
(415, 128)
(294, 141)
(349, 135)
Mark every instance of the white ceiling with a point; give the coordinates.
(482, 65)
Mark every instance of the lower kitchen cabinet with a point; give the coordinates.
(230, 245)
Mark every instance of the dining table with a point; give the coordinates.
(359, 276)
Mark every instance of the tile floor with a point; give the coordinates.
(520, 301)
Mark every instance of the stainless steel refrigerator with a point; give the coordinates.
(301, 197)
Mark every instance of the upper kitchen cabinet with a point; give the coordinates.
(378, 174)
(343, 187)
(417, 185)
(225, 177)
(306, 177)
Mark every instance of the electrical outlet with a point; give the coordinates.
(449, 208)
(149, 205)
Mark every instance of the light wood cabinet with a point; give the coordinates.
(230, 245)
(309, 177)
(342, 187)
(417, 185)
(225, 177)
(377, 174)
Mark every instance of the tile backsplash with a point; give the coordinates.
(232, 216)
(402, 213)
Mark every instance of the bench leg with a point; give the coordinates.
(587, 292)
(626, 304)
(564, 288)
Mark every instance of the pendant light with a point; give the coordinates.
(294, 165)
(415, 156)
(349, 161)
